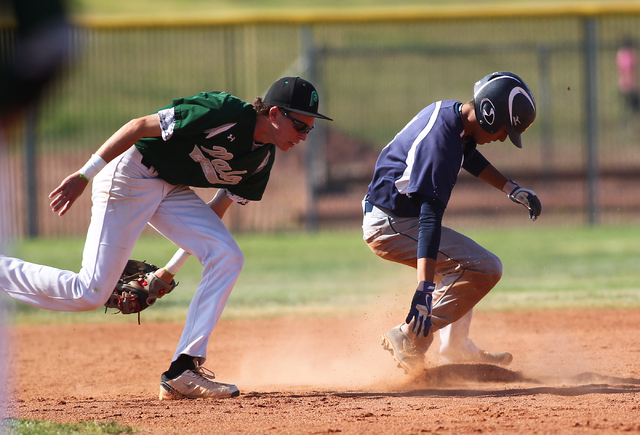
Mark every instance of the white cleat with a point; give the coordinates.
(193, 384)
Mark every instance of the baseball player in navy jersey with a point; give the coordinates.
(142, 176)
(405, 202)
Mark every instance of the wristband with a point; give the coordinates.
(509, 187)
(177, 261)
(92, 167)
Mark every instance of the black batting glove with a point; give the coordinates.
(525, 197)
(420, 311)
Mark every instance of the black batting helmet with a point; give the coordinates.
(503, 98)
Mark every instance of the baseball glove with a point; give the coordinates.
(138, 288)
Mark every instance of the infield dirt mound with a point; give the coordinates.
(449, 374)
(573, 372)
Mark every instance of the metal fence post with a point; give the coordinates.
(30, 171)
(591, 118)
(311, 156)
(545, 110)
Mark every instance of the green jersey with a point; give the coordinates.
(207, 141)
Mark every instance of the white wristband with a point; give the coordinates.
(92, 167)
(508, 187)
(175, 264)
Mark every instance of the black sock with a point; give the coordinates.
(179, 366)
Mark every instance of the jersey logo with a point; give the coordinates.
(217, 170)
(488, 111)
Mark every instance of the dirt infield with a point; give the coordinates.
(573, 372)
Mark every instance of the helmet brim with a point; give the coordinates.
(515, 138)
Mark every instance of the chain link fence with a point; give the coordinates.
(374, 72)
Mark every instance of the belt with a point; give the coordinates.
(368, 207)
(145, 162)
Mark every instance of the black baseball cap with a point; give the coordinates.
(296, 95)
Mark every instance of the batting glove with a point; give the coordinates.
(420, 311)
(523, 196)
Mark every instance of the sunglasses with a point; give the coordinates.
(298, 125)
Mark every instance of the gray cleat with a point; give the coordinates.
(404, 351)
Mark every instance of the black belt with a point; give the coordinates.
(145, 162)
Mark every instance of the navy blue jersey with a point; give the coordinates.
(424, 160)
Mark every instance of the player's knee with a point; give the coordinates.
(493, 269)
(236, 258)
(486, 273)
(230, 257)
(91, 299)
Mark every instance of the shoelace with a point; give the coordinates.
(204, 373)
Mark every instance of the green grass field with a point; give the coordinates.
(335, 274)
(35, 427)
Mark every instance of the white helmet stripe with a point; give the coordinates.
(512, 95)
(493, 81)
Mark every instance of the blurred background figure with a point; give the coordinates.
(41, 47)
(627, 64)
(42, 41)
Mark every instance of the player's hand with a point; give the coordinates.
(66, 194)
(420, 311)
(526, 197)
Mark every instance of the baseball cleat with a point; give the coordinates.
(193, 384)
(482, 356)
(404, 351)
(500, 358)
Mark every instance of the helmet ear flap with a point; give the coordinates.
(487, 115)
(503, 99)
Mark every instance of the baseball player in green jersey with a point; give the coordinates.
(141, 175)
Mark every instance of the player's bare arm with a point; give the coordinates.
(74, 185)
(220, 203)
(493, 177)
(426, 269)
(516, 193)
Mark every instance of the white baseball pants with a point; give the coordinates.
(126, 196)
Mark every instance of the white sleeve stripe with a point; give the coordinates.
(402, 183)
(217, 130)
(235, 198)
(167, 122)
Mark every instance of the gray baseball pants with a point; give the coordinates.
(465, 272)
